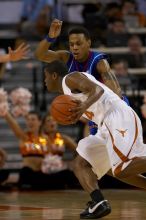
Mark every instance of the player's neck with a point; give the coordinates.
(84, 58)
(59, 89)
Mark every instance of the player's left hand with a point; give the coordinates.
(20, 53)
(77, 111)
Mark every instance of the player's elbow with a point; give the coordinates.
(38, 55)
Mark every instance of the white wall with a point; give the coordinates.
(10, 11)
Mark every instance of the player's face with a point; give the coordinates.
(50, 82)
(79, 46)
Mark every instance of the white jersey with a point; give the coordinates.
(119, 138)
(98, 110)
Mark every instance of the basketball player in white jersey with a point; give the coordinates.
(118, 145)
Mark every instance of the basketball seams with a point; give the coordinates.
(53, 107)
(59, 118)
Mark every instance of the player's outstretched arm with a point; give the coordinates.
(20, 53)
(43, 53)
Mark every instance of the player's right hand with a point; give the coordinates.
(55, 28)
(20, 53)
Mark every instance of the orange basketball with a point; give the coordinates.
(60, 108)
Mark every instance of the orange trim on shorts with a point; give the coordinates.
(119, 167)
(119, 153)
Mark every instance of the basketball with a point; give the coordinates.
(60, 108)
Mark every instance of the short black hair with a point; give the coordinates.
(80, 30)
(58, 67)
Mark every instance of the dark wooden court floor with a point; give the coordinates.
(49, 205)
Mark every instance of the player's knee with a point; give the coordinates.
(79, 164)
(123, 175)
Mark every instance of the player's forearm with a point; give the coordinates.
(42, 49)
(118, 90)
(111, 82)
(4, 58)
(108, 77)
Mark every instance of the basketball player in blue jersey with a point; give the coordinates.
(79, 58)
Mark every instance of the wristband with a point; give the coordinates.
(50, 39)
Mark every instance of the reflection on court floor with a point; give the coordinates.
(53, 205)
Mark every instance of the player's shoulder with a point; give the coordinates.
(98, 56)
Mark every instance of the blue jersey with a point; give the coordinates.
(88, 66)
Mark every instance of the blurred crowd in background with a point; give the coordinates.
(117, 27)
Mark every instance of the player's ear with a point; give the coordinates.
(54, 75)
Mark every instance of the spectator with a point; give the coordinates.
(131, 16)
(57, 142)
(94, 21)
(33, 147)
(37, 149)
(117, 35)
(35, 16)
(136, 57)
(59, 172)
(127, 81)
(111, 13)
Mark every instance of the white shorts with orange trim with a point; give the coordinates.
(124, 142)
(93, 149)
(116, 144)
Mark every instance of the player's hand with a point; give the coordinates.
(77, 111)
(3, 157)
(20, 53)
(55, 28)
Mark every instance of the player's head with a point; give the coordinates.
(79, 43)
(54, 72)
